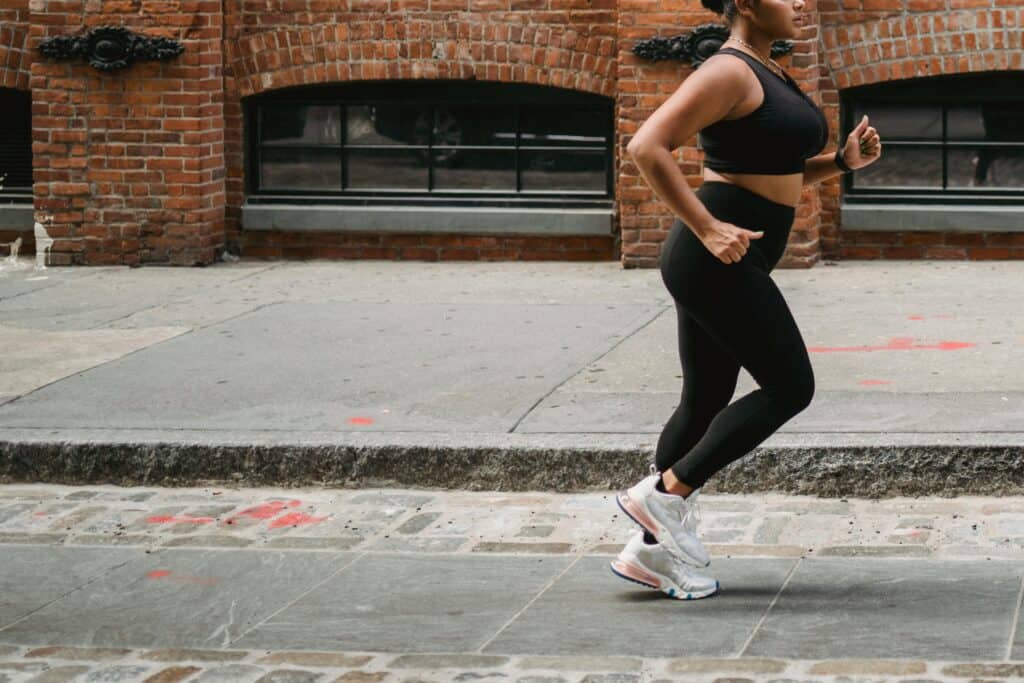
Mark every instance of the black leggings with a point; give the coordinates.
(731, 314)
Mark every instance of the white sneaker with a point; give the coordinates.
(654, 566)
(669, 518)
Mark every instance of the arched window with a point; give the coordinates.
(434, 142)
(16, 146)
(957, 139)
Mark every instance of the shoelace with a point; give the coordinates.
(691, 518)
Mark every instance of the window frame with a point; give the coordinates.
(943, 92)
(430, 94)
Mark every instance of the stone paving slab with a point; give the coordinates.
(589, 611)
(410, 603)
(173, 598)
(334, 374)
(35, 576)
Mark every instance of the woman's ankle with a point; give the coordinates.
(672, 484)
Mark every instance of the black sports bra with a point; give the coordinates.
(776, 138)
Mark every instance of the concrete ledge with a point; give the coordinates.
(441, 219)
(829, 465)
(16, 217)
(945, 217)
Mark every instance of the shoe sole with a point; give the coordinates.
(638, 514)
(631, 572)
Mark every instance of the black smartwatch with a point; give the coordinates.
(840, 163)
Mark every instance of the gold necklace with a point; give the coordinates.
(756, 54)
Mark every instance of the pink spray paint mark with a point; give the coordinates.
(295, 519)
(178, 519)
(268, 510)
(940, 316)
(40, 514)
(360, 420)
(265, 511)
(872, 382)
(896, 344)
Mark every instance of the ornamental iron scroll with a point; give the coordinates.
(695, 46)
(111, 48)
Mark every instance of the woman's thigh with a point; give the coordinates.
(710, 371)
(746, 313)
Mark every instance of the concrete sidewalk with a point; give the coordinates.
(536, 375)
(203, 584)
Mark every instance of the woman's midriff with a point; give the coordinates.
(783, 189)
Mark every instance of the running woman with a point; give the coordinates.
(763, 139)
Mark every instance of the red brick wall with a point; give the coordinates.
(281, 43)
(871, 41)
(130, 164)
(14, 58)
(146, 165)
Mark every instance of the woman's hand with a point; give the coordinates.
(728, 242)
(863, 146)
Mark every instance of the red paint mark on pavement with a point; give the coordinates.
(295, 519)
(40, 514)
(940, 316)
(896, 344)
(158, 574)
(360, 420)
(267, 510)
(871, 382)
(178, 519)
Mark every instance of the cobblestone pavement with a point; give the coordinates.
(463, 523)
(428, 521)
(59, 664)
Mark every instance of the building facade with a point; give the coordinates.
(171, 131)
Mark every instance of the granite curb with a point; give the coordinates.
(819, 464)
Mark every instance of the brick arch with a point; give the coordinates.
(922, 44)
(15, 58)
(545, 55)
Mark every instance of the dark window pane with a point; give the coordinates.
(562, 170)
(387, 169)
(475, 170)
(987, 167)
(16, 140)
(987, 121)
(898, 121)
(387, 124)
(301, 124)
(562, 126)
(282, 168)
(474, 125)
(903, 168)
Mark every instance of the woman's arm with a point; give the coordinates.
(821, 167)
(862, 148)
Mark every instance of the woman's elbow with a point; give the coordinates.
(640, 148)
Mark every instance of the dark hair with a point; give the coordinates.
(724, 7)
